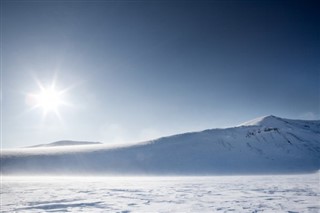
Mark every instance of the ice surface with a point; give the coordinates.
(293, 193)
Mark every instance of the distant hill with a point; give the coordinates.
(265, 145)
(64, 143)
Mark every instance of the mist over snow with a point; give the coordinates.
(265, 145)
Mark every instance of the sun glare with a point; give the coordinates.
(49, 99)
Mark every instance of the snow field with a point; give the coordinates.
(279, 193)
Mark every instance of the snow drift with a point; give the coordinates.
(264, 145)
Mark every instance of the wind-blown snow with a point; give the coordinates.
(265, 145)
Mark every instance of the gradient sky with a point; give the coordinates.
(138, 70)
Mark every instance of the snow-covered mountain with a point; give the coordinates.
(64, 143)
(265, 145)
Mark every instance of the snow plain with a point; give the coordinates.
(268, 193)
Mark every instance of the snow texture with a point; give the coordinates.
(294, 193)
(262, 146)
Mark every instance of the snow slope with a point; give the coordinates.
(264, 145)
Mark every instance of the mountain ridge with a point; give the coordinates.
(64, 143)
(265, 145)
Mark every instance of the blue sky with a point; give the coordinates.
(138, 70)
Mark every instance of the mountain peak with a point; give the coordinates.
(269, 120)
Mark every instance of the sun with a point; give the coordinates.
(48, 98)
